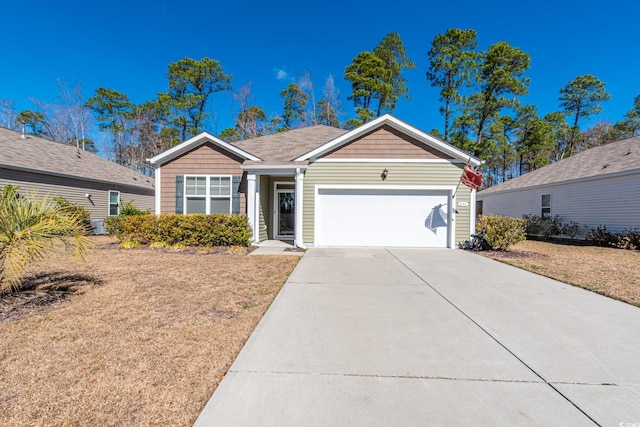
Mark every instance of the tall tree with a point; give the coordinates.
(112, 109)
(295, 106)
(33, 119)
(328, 109)
(392, 51)
(191, 84)
(306, 84)
(8, 113)
(581, 98)
(500, 78)
(452, 59)
(369, 83)
(630, 126)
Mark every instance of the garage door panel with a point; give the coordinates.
(373, 217)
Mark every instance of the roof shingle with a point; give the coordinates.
(286, 146)
(50, 157)
(612, 158)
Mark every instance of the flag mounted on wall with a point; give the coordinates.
(471, 178)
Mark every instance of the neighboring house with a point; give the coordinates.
(599, 186)
(44, 167)
(385, 183)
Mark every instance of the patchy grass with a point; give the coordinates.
(129, 337)
(611, 272)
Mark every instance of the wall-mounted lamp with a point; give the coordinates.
(88, 196)
(384, 174)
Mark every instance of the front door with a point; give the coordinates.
(284, 211)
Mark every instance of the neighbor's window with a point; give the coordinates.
(114, 203)
(546, 205)
(207, 194)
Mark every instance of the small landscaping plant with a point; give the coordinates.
(501, 231)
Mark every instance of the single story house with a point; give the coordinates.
(599, 186)
(384, 183)
(45, 167)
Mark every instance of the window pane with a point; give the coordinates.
(113, 197)
(220, 205)
(113, 210)
(220, 186)
(196, 205)
(196, 186)
(546, 200)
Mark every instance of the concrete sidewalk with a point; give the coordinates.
(432, 337)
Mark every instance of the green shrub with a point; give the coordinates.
(538, 226)
(184, 230)
(627, 239)
(502, 231)
(74, 210)
(128, 208)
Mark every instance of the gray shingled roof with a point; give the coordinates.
(53, 158)
(615, 157)
(286, 146)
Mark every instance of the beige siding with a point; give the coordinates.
(206, 159)
(614, 202)
(386, 143)
(74, 190)
(419, 174)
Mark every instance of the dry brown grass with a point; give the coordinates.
(145, 341)
(611, 272)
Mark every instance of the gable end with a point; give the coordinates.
(386, 143)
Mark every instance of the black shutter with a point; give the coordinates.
(235, 194)
(179, 194)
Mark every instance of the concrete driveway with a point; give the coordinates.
(421, 337)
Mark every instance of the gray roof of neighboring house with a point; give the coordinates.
(286, 146)
(52, 158)
(613, 158)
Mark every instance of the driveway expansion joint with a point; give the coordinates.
(500, 343)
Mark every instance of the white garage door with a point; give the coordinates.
(374, 217)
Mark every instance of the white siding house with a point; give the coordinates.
(599, 186)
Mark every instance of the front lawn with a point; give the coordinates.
(129, 337)
(611, 272)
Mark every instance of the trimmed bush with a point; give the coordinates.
(502, 231)
(627, 239)
(183, 230)
(538, 226)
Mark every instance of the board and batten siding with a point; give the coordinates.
(386, 143)
(206, 159)
(614, 202)
(405, 174)
(75, 190)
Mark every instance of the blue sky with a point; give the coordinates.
(127, 46)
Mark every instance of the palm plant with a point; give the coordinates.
(29, 227)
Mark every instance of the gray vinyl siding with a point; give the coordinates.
(74, 190)
(614, 202)
(419, 174)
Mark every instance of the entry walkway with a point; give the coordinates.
(409, 337)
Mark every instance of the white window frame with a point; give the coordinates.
(109, 203)
(207, 196)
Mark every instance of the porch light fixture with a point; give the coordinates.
(384, 174)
